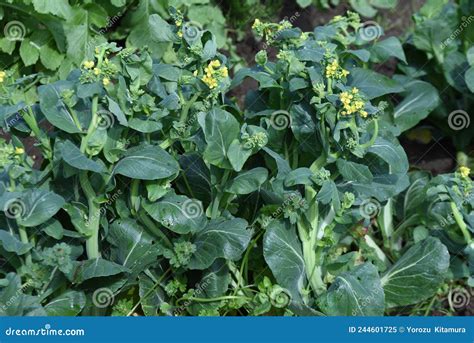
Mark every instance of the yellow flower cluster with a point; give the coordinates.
(2, 76)
(353, 103)
(214, 73)
(464, 172)
(19, 151)
(88, 64)
(334, 70)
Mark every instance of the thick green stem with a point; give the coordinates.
(308, 233)
(24, 239)
(92, 241)
(95, 105)
(461, 224)
(375, 134)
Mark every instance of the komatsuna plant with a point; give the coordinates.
(335, 163)
(133, 202)
(440, 51)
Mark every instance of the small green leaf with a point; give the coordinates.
(69, 303)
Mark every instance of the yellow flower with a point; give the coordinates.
(96, 71)
(180, 34)
(2, 74)
(105, 81)
(355, 90)
(88, 64)
(195, 73)
(19, 151)
(256, 23)
(225, 72)
(352, 103)
(345, 72)
(178, 23)
(215, 64)
(464, 172)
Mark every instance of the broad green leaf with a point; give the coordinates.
(12, 293)
(417, 275)
(470, 79)
(155, 296)
(220, 129)
(81, 41)
(352, 171)
(147, 162)
(247, 182)
(54, 108)
(71, 154)
(373, 84)
(50, 57)
(28, 52)
(11, 243)
(68, 304)
(60, 8)
(300, 176)
(133, 247)
(96, 268)
(38, 206)
(160, 30)
(383, 50)
(358, 292)
(195, 178)
(421, 99)
(178, 213)
(220, 238)
(282, 252)
(363, 7)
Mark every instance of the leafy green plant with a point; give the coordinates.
(440, 52)
(53, 37)
(366, 8)
(148, 191)
(336, 161)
